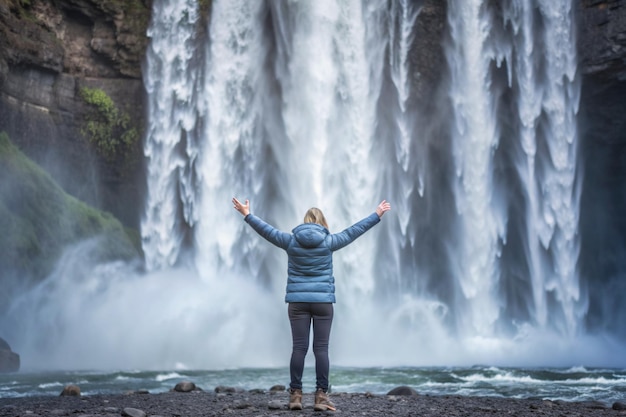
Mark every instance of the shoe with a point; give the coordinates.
(295, 399)
(322, 403)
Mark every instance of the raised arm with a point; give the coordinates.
(349, 235)
(269, 232)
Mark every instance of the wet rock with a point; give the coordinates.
(595, 405)
(9, 360)
(185, 386)
(225, 390)
(4, 345)
(275, 405)
(70, 391)
(257, 391)
(602, 40)
(133, 412)
(278, 388)
(241, 404)
(402, 390)
(619, 405)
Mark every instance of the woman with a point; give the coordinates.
(310, 289)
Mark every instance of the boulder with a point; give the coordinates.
(4, 345)
(133, 412)
(619, 405)
(185, 386)
(278, 388)
(9, 360)
(221, 389)
(402, 390)
(71, 391)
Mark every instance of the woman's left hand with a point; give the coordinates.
(244, 209)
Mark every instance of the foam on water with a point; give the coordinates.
(169, 375)
(486, 381)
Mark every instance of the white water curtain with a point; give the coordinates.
(299, 104)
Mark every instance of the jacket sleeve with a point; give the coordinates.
(269, 232)
(344, 238)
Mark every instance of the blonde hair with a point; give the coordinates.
(315, 215)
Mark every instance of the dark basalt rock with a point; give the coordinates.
(402, 390)
(71, 391)
(619, 405)
(9, 360)
(185, 386)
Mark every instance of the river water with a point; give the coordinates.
(572, 384)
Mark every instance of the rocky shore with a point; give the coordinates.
(262, 403)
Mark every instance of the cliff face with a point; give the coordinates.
(602, 48)
(602, 131)
(50, 51)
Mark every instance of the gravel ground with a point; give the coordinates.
(269, 404)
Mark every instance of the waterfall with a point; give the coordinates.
(541, 71)
(293, 117)
(326, 103)
(560, 186)
(170, 81)
(403, 17)
(548, 97)
(475, 139)
(409, 175)
(233, 146)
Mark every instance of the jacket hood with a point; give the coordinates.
(310, 235)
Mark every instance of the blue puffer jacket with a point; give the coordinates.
(309, 248)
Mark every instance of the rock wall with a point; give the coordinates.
(9, 360)
(602, 131)
(49, 51)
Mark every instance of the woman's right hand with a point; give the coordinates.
(382, 208)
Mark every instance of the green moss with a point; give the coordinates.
(38, 219)
(136, 14)
(20, 8)
(106, 127)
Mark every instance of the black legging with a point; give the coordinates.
(300, 316)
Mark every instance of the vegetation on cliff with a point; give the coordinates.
(107, 127)
(38, 219)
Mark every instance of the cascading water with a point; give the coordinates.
(299, 104)
(547, 100)
(403, 15)
(542, 73)
(561, 198)
(170, 81)
(233, 144)
(475, 139)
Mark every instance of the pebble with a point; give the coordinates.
(208, 403)
(133, 412)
